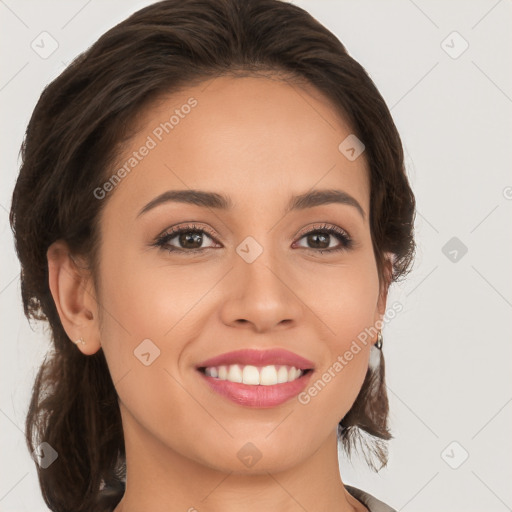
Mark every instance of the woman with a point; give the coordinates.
(211, 208)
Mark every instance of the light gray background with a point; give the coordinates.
(448, 353)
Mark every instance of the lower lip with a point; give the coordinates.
(258, 396)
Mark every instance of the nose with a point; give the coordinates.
(262, 295)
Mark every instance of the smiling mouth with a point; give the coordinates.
(251, 375)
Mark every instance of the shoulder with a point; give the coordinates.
(372, 503)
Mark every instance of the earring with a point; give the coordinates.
(81, 341)
(378, 344)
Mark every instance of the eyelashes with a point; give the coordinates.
(194, 234)
(163, 240)
(325, 231)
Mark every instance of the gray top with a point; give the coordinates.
(369, 501)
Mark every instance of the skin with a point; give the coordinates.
(257, 140)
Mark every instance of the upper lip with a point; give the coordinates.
(275, 356)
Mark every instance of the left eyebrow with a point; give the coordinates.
(321, 197)
(219, 201)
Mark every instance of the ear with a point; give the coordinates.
(380, 310)
(74, 296)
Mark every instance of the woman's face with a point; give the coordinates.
(256, 279)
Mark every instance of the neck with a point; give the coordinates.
(162, 480)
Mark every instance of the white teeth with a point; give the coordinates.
(234, 373)
(254, 375)
(282, 375)
(268, 375)
(251, 375)
(293, 373)
(223, 372)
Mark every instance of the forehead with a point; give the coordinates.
(251, 138)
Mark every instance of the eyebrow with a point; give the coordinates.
(221, 202)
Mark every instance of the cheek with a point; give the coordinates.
(129, 304)
(343, 297)
(144, 312)
(347, 307)
(146, 298)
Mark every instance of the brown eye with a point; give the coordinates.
(324, 239)
(184, 239)
(189, 239)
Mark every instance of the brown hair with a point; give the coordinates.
(78, 125)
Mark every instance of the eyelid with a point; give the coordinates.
(174, 230)
(323, 226)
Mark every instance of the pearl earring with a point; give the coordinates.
(378, 343)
